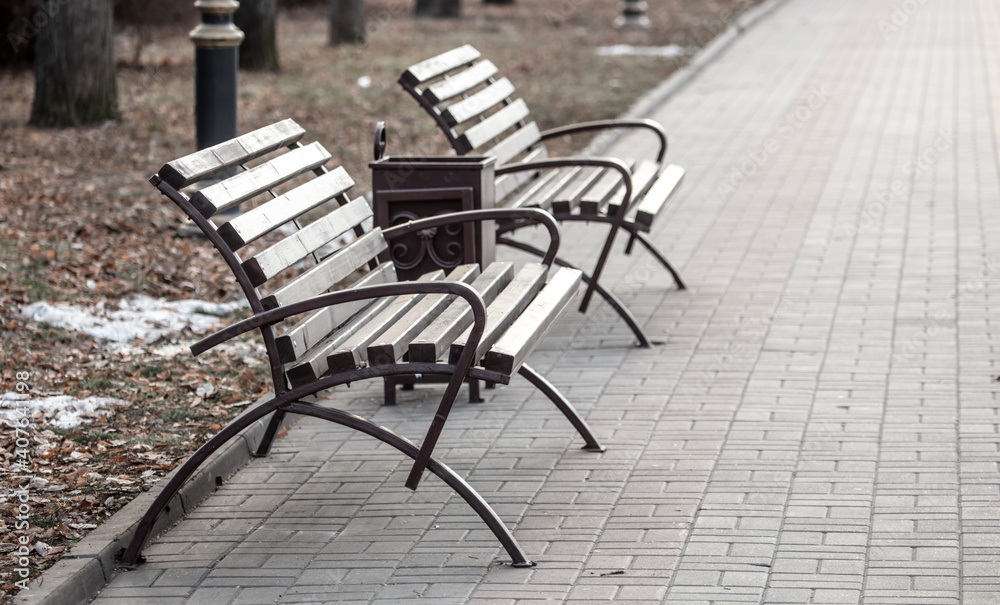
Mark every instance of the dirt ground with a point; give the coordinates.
(80, 224)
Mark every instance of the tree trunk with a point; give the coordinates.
(438, 8)
(74, 63)
(259, 50)
(347, 22)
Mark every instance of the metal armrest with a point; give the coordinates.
(530, 215)
(657, 129)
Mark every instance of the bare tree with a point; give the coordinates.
(74, 63)
(347, 22)
(438, 8)
(259, 49)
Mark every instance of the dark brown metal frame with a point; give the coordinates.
(617, 222)
(289, 400)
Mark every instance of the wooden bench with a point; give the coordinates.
(346, 318)
(477, 110)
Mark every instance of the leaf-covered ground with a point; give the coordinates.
(80, 224)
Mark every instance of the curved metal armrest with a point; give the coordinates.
(657, 129)
(530, 215)
(569, 161)
(345, 296)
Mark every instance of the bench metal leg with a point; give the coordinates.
(461, 487)
(546, 387)
(643, 239)
(264, 447)
(616, 304)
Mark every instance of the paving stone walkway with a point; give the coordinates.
(820, 424)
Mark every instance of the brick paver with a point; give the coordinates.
(820, 424)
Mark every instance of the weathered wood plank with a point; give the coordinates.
(247, 185)
(506, 184)
(598, 195)
(263, 219)
(492, 127)
(504, 309)
(661, 191)
(515, 144)
(390, 346)
(332, 270)
(278, 257)
(549, 185)
(304, 335)
(200, 164)
(460, 83)
(642, 178)
(439, 65)
(569, 198)
(353, 351)
(432, 343)
(474, 105)
(521, 338)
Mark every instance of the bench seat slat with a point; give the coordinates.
(521, 338)
(515, 144)
(390, 346)
(642, 178)
(194, 167)
(569, 197)
(548, 187)
(439, 65)
(251, 183)
(610, 184)
(493, 126)
(353, 351)
(504, 309)
(275, 259)
(304, 335)
(475, 104)
(263, 219)
(661, 191)
(460, 83)
(432, 343)
(506, 184)
(330, 271)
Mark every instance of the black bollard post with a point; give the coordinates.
(216, 65)
(633, 15)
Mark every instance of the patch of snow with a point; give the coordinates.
(142, 318)
(61, 411)
(618, 50)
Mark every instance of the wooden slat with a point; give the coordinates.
(505, 309)
(642, 179)
(441, 64)
(431, 344)
(353, 351)
(246, 185)
(477, 103)
(263, 219)
(390, 346)
(661, 191)
(521, 338)
(196, 166)
(314, 364)
(515, 144)
(493, 126)
(460, 83)
(305, 334)
(601, 192)
(332, 270)
(506, 184)
(548, 186)
(568, 199)
(275, 259)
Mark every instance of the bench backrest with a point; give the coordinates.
(297, 234)
(477, 109)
